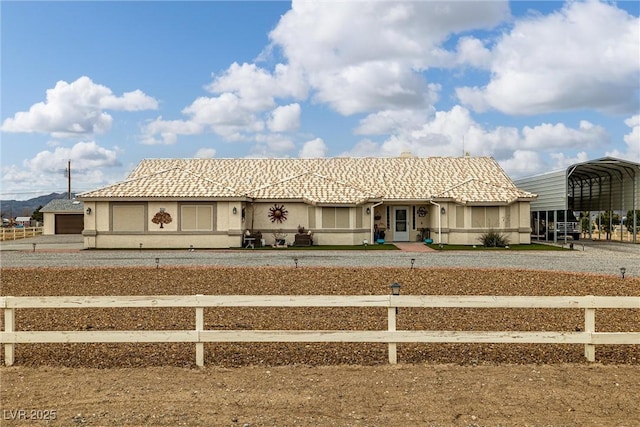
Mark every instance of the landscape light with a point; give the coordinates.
(140, 247)
(34, 247)
(622, 271)
(157, 263)
(296, 261)
(413, 261)
(395, 289)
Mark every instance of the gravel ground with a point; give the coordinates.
(64, 251)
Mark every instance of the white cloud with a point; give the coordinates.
(586, 56)
(83, 155)
(44, 173)
(523, 163)
(76, 109)
(472, 51)
(314, 148)
(367, 56)
(205, 153)
(285, 118)
(547, 136)
(562, 161)
(632, 140)
(272, 145)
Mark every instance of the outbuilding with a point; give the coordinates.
(585, 190)
(63, 216)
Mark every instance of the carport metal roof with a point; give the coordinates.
(597, 185)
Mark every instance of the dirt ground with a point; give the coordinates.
(318, 384)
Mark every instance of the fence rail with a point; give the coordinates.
(15, 233)
(589, 337)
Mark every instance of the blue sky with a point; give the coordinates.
(536, 85)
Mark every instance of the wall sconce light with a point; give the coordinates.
(235, 210)
(443, 211)
(88, 211)
(368, 211)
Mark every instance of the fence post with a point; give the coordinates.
(9, 326)
(199, 327)
(590, 327)
(391, 324)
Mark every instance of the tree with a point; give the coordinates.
(629, 221)
(606, 221)
(37, 215)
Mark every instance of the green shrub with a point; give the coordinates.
(494, 239)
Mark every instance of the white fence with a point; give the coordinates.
(15, 233)
(589, 337)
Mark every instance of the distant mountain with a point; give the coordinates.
(14, 208)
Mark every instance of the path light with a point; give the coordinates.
(296, 261)
(157, 263)
(413, 261)
(34, 247)
(622, 271)
(395, 291)
(140, 247)
(191, 248)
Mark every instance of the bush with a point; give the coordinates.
(494, 239)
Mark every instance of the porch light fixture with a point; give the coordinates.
(443, 210)
(368, 211)
(88, 211)
(235, 210)
(622, 271)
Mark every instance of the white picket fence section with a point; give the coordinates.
(589, 337)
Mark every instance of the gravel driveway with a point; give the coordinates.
(66, 251)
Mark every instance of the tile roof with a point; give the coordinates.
(338, 180)
(63, 205)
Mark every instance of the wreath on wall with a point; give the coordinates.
(278, 213)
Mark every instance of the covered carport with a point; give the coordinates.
(596, 186)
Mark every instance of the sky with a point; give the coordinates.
(536, 85)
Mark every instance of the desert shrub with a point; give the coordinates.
(494, 239)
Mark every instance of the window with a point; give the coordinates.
(335, 217)
(127, 217)
(196, 217)
(485, 217)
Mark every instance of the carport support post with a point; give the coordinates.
(590, 327)
(9, 326)
(199, 327)
(391, 324)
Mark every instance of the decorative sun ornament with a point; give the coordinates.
(278, 213)
(422, 211)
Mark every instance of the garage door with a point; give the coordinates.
(69, 224)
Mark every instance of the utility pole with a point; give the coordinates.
(67, 173)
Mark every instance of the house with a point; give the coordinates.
(212, 203)
(63, 216)
(23, 221)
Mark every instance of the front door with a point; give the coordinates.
(400, 224)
